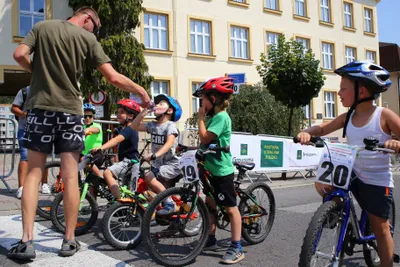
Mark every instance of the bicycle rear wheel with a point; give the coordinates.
(256, 229)
(168, 241)
(324, 227)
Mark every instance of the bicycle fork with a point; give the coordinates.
(83, 195)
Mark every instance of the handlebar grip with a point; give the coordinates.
(216, 148)
(313, 139)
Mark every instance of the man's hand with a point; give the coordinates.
(146, 101)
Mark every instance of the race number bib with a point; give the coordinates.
(188, 165)
(336, 164)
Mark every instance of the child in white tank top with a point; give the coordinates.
(362, 82)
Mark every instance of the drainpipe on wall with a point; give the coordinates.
(175, 42)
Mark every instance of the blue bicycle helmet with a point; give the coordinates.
(173, 103)
(90, 107)
(373, 76)
(368, 72)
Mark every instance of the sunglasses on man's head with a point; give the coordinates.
(96, 29)
(88, 116)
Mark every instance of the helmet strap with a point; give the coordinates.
(353, 107)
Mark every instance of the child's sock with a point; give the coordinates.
(236, 244)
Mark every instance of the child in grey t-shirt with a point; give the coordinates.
(164, 137)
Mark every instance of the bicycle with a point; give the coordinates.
(122, 221)
(191, 213)
(53, 175)
(343, 220)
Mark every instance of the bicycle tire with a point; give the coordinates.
(60, 226)
(312, 232)
(271, 213)
(106, 226)
(368, 258)
(44, 211)
(146, 228)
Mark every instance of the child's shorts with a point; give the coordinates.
(224, 190)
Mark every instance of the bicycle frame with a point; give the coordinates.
(349, 213)
(204, 178)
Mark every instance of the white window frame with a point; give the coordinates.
(153, 94)
(195, 100)
(240, 46)
(159, 28)
(325, 10)
(330, 104)
(300, 8)
(328, 56)
(305, 42)
(306, 111)
(272, 4)
(370, 55)
(350, 56)
(200, 34)
(30, 13)
(368, 20)
(271, 38)
(348, 15)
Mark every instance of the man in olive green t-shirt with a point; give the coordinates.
(60, 50)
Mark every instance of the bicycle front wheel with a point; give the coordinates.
(256, 229)
(87, 215)
(121, 228)
(178, 238)
(322, 237)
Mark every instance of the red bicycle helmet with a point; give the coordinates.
(223, 85)
(129, 105)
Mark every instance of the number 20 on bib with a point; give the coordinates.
(336, 165)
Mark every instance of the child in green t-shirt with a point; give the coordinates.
(215, 94)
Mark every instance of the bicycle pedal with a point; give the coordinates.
(396, 258)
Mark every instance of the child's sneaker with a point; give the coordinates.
(19, 192)
(45, 189)
(167, 209)
(232, 255)
(211, 244)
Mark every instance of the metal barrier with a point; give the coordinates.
(8, 137)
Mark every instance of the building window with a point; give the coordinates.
(240, 42)
(200, 37)
(325, 6)
(159, 87)
(306, 111)
(304, 42)
(350, 54)
(271, 39)
(368, 20)
(242, 3)
(300, 8)
(328, 56)
(329, 103)
(272, 4)
(348, 15)
(370, 55)
(30, 13)
(196, 102)
(156, 31)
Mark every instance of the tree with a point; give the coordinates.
(291, 75)
(256, 111)
(119, 19)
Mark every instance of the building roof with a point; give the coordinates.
(389, 54)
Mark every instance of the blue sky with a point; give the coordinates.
(388, 20)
